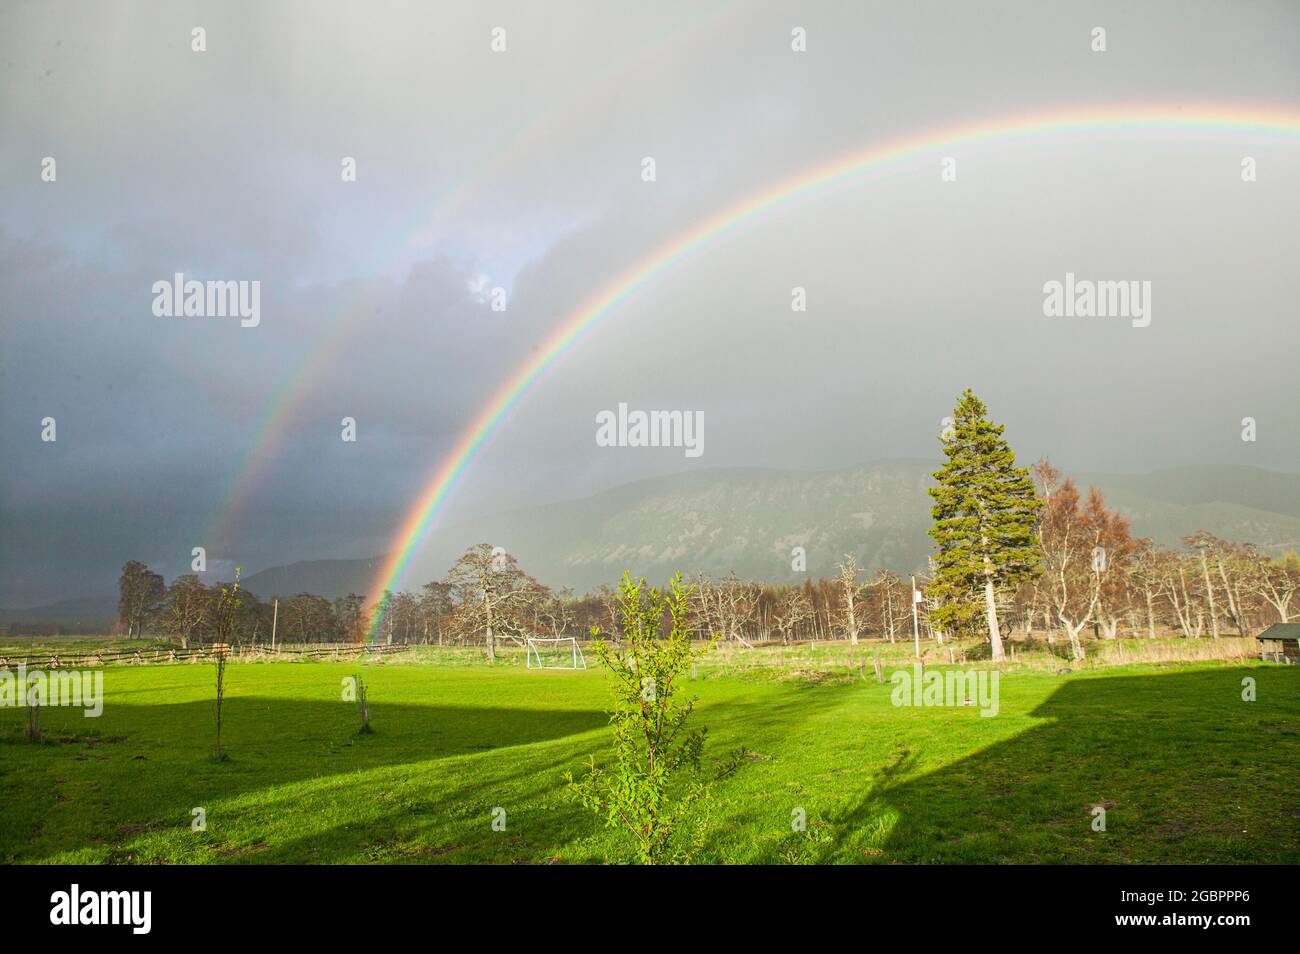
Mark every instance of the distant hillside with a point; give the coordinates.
(1244, 504)
(1259, 490)
(85, 614)
(747, 520)
(330, 578)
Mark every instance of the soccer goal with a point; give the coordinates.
(558, 652)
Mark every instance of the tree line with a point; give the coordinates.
(1017, 550)
(1212, 587)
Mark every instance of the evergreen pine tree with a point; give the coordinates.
(985, 512)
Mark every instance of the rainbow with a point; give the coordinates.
(1214, 120)
(290, 396)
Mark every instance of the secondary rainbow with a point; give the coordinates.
(1218, 120)
(348, 323)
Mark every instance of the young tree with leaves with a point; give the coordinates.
(985, 511)
(225, 611)
(656, 783)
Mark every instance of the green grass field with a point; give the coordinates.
(1187, 771)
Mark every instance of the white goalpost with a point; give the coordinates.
(555, 652)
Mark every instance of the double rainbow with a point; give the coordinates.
(348, 323)
(1251, 122)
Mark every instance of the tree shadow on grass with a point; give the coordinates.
(1185, 770)
(490, 813)
(152, 764)
(454, 825)
(301, 785)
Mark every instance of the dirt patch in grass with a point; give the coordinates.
(90, 740)
(815, 677)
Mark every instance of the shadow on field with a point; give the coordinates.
(156, 763)
(384, 801)
(257, 724)
(450, 822)
(1185, 769)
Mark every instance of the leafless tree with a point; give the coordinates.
(1111, 561)
(729, 607)
(553, 612)
(792, 608)
(848, 619)
(434, 607)
(1145, 579)
(1066, 541)
(141, 593)
(894, 606)
(185, 608)
(1274, 581)
(1173, 585)
(493, 595)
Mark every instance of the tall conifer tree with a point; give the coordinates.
(985, 514)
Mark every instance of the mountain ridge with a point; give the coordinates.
(641, 523)
(748, 519)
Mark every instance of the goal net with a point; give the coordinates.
(560, 652)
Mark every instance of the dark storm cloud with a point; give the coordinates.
(521, 170)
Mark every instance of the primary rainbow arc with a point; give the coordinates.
(1219, 119)
(290, 397)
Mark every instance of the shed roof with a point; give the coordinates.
(1289, 631)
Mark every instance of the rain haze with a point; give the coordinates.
(498, 192)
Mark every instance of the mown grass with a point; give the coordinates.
(1187, 771)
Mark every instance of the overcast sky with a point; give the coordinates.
(522, 170)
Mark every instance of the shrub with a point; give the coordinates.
(655, 791)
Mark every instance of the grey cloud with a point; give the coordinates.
(521, 169)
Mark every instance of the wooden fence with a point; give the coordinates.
(160, 655)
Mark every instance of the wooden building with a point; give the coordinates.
(1280, 643)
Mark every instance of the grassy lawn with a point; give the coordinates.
(1187, 771)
